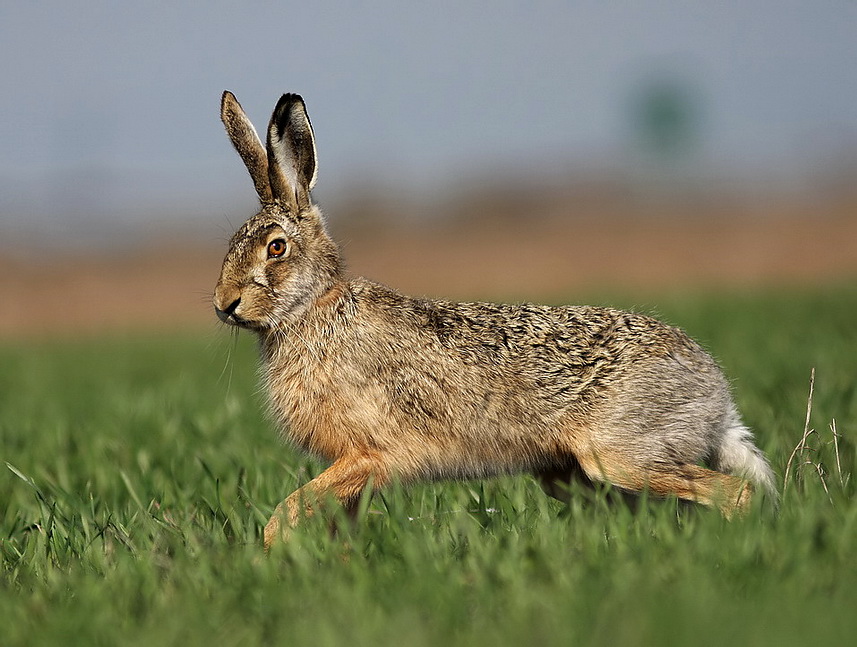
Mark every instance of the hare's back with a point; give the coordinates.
(565, 353)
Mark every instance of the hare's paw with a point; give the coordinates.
(744, 499)
(279, 526)
(286, 516)
(275, 530)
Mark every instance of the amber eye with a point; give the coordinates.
(277, 248)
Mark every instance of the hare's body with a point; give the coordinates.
(463, 390)
(386, 386)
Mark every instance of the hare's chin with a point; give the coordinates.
(252, 326)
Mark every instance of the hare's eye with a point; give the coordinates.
(277, 248)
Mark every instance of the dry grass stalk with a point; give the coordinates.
(800, 448)
(842, 480)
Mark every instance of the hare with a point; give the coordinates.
(384, 386)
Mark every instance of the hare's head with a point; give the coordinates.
(282, 258)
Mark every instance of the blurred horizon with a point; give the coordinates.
(509, 151)
(110, 111)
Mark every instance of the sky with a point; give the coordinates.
(110, 109)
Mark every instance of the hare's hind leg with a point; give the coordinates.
(730, 494)
(344, 482)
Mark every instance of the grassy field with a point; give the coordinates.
(139, 473)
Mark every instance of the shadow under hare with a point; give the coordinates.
(385, 386)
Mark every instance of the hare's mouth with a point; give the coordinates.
(234, 320)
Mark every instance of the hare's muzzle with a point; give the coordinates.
(226, 302)
(227, 315)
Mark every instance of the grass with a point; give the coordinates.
(141, 471)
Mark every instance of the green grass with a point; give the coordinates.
(142, 470)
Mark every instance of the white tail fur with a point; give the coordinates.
(738, 455)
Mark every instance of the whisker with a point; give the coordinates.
(229, 364)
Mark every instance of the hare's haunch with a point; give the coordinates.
(385, 386)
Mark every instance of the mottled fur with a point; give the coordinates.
(384, 386)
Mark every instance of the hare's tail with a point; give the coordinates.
(737, 454)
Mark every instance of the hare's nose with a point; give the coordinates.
(228, 311)
(227, 298)
(232, 307)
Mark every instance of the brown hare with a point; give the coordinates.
(384, 386)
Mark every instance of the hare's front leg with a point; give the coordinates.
(344, 482)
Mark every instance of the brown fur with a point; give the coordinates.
(384, 386)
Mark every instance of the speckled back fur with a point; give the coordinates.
(385, 386)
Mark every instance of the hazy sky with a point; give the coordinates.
(110, 109)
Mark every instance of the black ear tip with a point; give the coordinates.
(285, 105)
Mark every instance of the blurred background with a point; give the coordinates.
(504, 150)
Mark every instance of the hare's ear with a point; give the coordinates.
(291, 152)
(247, 143)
